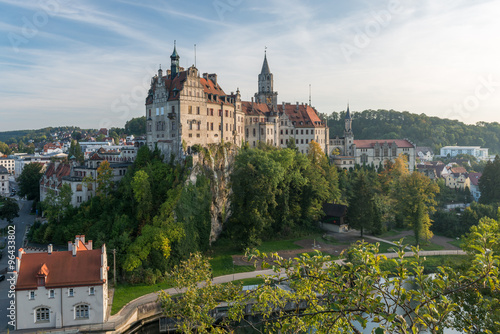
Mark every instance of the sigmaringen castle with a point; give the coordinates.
(184, 109)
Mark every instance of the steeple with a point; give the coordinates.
(174, 62)
(265, 66)
(348, 123)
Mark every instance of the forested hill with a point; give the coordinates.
(421, 129)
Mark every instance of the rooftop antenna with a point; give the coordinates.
(195, 55)
(309, 95)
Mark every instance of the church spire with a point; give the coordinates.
(348, 113)
(265, 65)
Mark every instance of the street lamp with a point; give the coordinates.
(233, 270)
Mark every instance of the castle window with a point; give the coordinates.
(208, 126)
(301, 131)
(197, 110)
(162, 111)
(208, 112)
(226, 113)
(254, 132)
(91, 291)
(212, 126)
(364, 158)
(307, 141)
(394, 151)
(190, 108)
(386, 152)
(42, 314)
(71, 292)
(149, 112)
(281, 141)
(211, 111)
(307, 132)
(281, 132)
(199, 124)
(302, 141)
(286, 131)
(157, 111)
(82, 311)
(32, 295)
(377, 152)
(190, 126)
(226, 126)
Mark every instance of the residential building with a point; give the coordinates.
(20, 161)
(82, 179)
(424, 153)
(346, 152)
(475, 151)
(457, 178)
(9, 164)
(474, 185)
(185, 109)
(57, 289)
(4, 182)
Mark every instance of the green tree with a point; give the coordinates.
(76, 151)
(143, 196)
(136, 126)
(416, 202)
(104, 179)
(361, 208)
(55, 205)
(29, 181)
(193, 308)
(489, 183)
(342, 297)
(9, 210)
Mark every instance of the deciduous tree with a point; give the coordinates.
(29, 181)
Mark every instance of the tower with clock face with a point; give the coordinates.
(266, 93)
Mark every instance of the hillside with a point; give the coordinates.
(421, 129)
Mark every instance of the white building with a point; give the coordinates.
(22, 160)
(4, 181)
(476, 151)
(57, 289)
(8, 163)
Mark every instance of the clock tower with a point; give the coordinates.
(266, 94)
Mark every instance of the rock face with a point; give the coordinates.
(216, 162)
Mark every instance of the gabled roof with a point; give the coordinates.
(3, 170)
(370, 143)
(254, 109)
(458, 170)
(474, 178)
(334, 210)
(302, 115)
(62, 269)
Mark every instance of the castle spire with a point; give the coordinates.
(174, 62)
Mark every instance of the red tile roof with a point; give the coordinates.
(458, 170)
(255, 109)
(370, 143)
(302, 116)
(62, 269)
(474, 178)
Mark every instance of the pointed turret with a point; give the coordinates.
(348, 113)
(174, 62)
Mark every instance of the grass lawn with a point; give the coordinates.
(277, 245)
(410, 241)
(223, 265)
(457, 243)
(125, 293)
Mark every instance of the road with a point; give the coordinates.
(20, 224)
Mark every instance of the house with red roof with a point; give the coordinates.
(55, 289)
(185, 109)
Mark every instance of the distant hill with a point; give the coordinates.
(421, 129)
(38, 135)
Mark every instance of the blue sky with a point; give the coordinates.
(88, 63)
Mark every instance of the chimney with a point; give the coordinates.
(82, 239)
(205, 76)
(213, 78)
(21, 252)
(89, 245)
(49, 249)
(74, 249)
(297, 108)
(18, 263)
(70, 245)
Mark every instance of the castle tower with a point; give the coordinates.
(174, 63)
(266, 93)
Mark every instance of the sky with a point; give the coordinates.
(89, 63)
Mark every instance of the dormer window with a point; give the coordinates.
(41, 281)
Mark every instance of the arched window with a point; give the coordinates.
(42, 314)
(82, 311)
